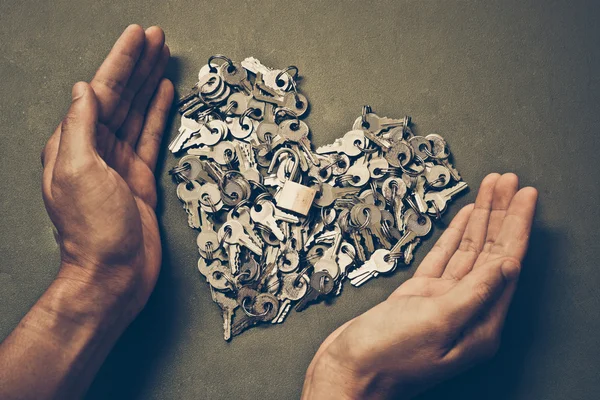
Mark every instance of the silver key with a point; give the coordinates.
(293, 288)
(442, 197)
(328, 262)
(269, 75)
(223, 153)
(190, 196)
(350, 144)
(379, 263)
(188, 127)
(209, 134)
(228, 306)
(416, 226)
(267, 215)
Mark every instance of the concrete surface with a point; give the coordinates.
(512, 85)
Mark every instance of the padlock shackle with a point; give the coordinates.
(293, 153)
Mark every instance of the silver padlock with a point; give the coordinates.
(293, 196)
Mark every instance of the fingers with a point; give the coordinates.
(132, 127)
(436, 260)
(154, 125)
(477, 292)
(113, 75)
(78, 129)
(473, 239)
(153, 47)
(513, 239)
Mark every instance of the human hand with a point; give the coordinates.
(446, 318)
(98, 182)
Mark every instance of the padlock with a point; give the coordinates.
(293, 196)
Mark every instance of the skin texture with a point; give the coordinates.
(445, 319)
(100, 192)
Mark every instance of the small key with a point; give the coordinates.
(220, 277)
(328, 262)
(293, 287)
(242, 215)
(379, 263)
(441, 154)
(269, 75)
(235, 75)
(415, 226)
(188, 127)
(265, 308)
(378, 167)
(228, 306)
(209, 134)
(297, 132)
(267, 215)
(329, 215)
(223, 153)
(374, 123)
(419, 193)
(442, 197)
(346, 258)
(438, 176)
(329, 194)
(350, 144)
(321, 284)
(359, 172)
(400, 154)
(190, 194)
(295, 102)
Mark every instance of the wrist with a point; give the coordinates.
(332, 377)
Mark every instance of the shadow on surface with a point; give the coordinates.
(144, 343)
(500, 378)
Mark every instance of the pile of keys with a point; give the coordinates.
(281, 225)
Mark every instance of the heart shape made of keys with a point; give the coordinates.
(281, 224)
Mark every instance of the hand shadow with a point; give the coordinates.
(500, 377)
(145, 342)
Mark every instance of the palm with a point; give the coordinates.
(480, 239)
(121, 123)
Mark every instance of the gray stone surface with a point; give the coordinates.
(512, 85)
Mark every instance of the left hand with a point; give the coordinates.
(446, 318)
(98, 183)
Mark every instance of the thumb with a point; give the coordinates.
(78, 128)
(479, 290)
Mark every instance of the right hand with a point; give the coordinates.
(446, 318)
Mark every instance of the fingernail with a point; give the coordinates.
(78, 90)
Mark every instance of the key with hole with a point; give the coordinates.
(209, 134)
(190, 193)
(223, 153)
(266, 214)
(419, 193)
(438, 176)
(350, 144)
(378, 263)
(374, 123)
(415, 226)
(359, 172)
(269, 75)
(188, 127)
(195, 169)
(442, 197)
(321, 284)
(220, 277)
(264, 308)
(235, 75)
(295, 102)
(242, 215)
(293, 288)
(400, 154)
(329, 215)
(232, 233)
(228, 306)
(297, 132)
(441, 154)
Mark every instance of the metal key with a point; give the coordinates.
(441, 198)
(415, 226)
(190, 194)
(223, 153)
(351, 144)
(228, 306)
(267, 215)
(293, 287)
(321, 284)
(379, 263)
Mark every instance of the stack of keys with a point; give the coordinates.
(280, 225)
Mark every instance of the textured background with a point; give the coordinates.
(512, 85)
